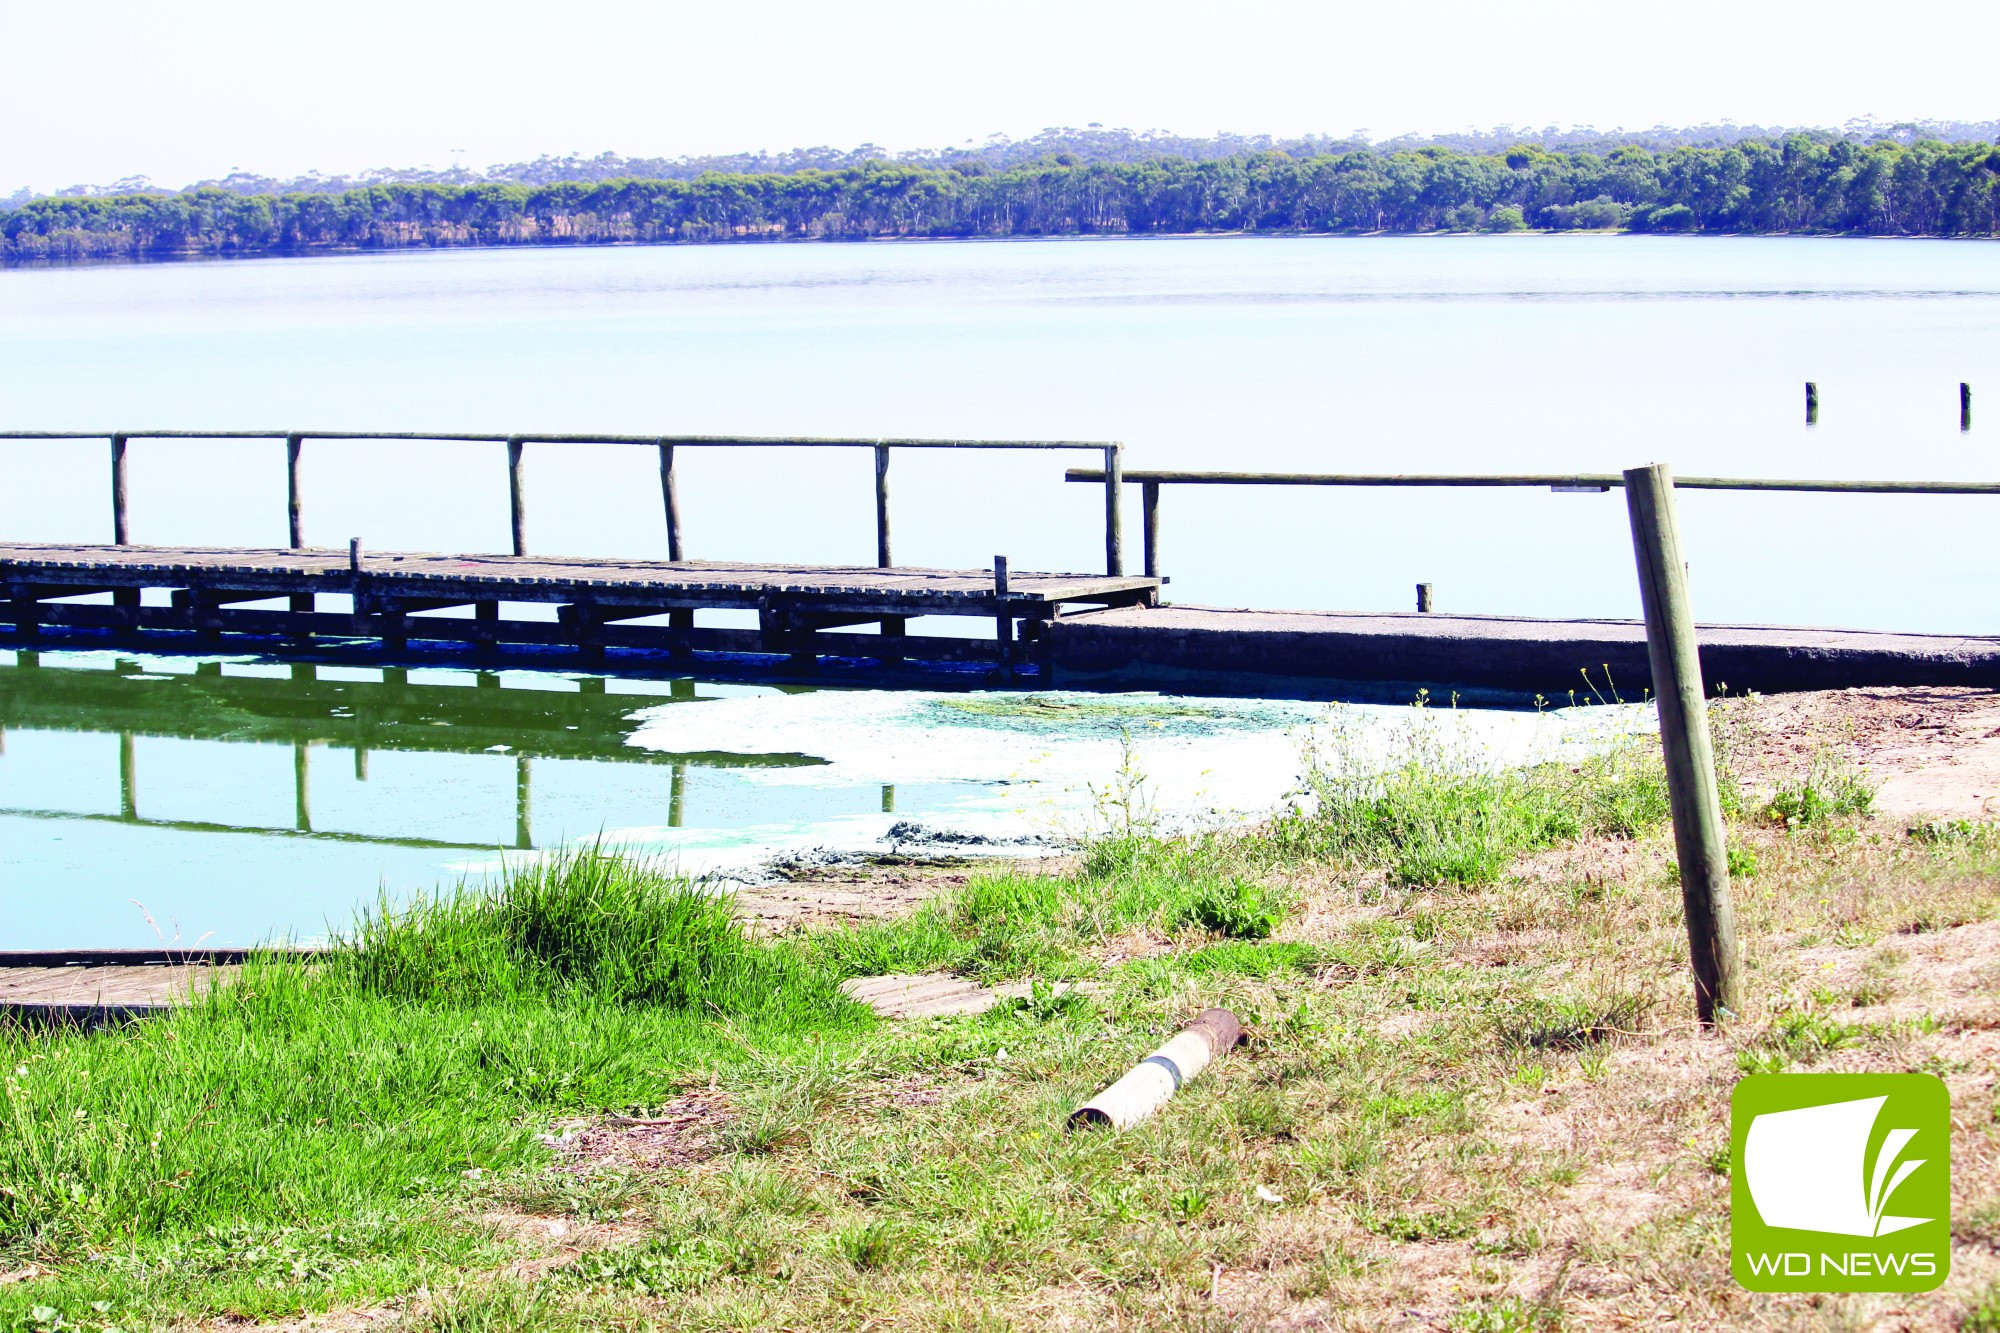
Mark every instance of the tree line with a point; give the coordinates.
(1797, 184)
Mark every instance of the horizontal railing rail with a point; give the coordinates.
(1150, 481)
(1111, 472)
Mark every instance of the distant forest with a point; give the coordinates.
(1925, 180)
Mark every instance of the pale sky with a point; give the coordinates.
(92, 90)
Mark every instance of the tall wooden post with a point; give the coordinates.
(516, 494)
(1690, 758)
(1964, 405)
(677, 793)
(121, 531)
(670, 495)
(882, 560)
(295, 500)
(1812, 403)
(1003, 626)
(295, 510)
(1424, 597)
(1149, 525)
(1114, 522)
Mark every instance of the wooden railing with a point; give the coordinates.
(1110, 474)
(1150, 483)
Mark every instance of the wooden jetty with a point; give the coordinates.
(210, 594)
(89, 988)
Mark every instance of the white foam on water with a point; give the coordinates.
(1027, 773)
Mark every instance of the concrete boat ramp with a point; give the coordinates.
(1495, 659)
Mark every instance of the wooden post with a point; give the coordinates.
(1003, 630)
(894, 627)
(121, 532)
(1812, 403)
(1690, 760)
(676, 793)
(295, 510)
(888, 798)
(516, 495)
(1114, 523)
(1149, 511)
(354, 555)
(1964, 405)
(882, 560)
(360, 762)
(1424, 597)
(670, 495)
(295, 503)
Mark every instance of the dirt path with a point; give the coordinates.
(1931, 752)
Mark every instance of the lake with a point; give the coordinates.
(235, 798)
(229, 800)
(1473, 353)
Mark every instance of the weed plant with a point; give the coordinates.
(1437, 812)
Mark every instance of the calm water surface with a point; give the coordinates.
(236, 799)
(1413, 354)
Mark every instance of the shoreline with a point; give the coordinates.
(223, 256)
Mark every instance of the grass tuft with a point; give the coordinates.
(583, 922)
(1440, 814)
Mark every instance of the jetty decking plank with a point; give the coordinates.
(111, 986)
(537, 577)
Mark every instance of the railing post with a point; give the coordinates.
(1149, 511)
(1690, 760)
(1964, 405)
(882, 560)
(1114, 523)
(121, 533)
(516, 495)
(1003, 626)
(670, 495)
(295, 501)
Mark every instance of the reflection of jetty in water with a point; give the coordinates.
(361, 710)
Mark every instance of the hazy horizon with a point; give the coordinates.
(461, 84)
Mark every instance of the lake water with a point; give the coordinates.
(1586, 353)
(179, 783)
(231, 800)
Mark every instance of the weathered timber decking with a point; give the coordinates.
(213, 591)
(92, 995)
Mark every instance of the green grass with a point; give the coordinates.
(581, 924)
(1438, 814)
(211, 1149)
(302, 1140)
